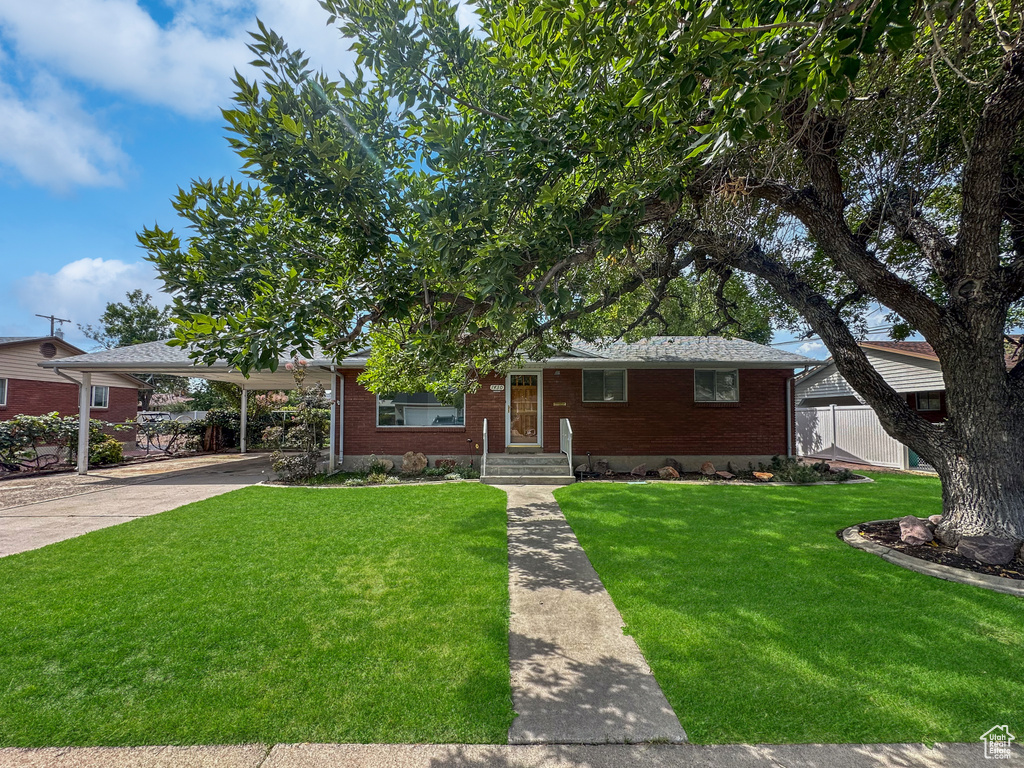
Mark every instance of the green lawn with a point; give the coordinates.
(266, 615)
(761, 626)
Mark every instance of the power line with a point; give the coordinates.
(53, 319)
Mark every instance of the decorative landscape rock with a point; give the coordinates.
(670, 462)
(934, 519)
(725, 475)
(582, 468)
(640, 470)
(764, 477)
(667, 473)
(987, 549)
(602, 466)
(413, 462)
(707, 468)
(915, 531)
(385, 465)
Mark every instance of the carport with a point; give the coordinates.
(158, 357)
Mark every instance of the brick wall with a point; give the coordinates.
(660, 417)
(37, 398)
(363, 437)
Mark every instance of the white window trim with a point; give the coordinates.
(376, 417)
(717, 371)
(3, 398)
(92, 399)
(625, 385)
(938, 399)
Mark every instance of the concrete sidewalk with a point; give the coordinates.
(484, 756)
(576, 678)
(117, 496)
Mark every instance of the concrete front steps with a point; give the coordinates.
(527, 469)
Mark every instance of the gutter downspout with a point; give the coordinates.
(790, 416)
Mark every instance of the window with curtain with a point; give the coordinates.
(101, 397)
(716, 386)
(420, 409)
(604, 386)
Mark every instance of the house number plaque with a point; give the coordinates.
(497, 387)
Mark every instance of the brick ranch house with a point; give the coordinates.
(693, 399)
(26, 388)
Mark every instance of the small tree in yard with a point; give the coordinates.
(308, 434)
(469, 197)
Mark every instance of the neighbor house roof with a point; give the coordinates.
(912, 348)
(65, 347)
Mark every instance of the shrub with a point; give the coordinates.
(294, 468)
(375, 478)
(447, 465)
(107, 451)
(354, 482)
(435, 472)
(391, 480)
(453, 476)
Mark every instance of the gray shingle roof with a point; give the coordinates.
(689, 349)
(697, 350)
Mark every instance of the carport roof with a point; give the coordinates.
(160, 358)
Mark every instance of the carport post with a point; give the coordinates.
(245, 414)
(84, 404)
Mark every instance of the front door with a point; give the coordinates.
(524, 420)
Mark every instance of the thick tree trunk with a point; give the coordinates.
(983, 488)
(980, 456)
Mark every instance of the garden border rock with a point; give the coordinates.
(737, 482)
(852, 537)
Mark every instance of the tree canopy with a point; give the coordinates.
(133, 322)
(468, 196)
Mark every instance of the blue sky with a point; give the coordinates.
(109, 106)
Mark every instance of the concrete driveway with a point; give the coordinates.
(36, 511)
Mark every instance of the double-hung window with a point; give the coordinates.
(420, 409)
(929, 401)
(716, 386)
(100, 397)
(604, 386)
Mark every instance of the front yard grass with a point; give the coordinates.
(265, 615)
(761, 626)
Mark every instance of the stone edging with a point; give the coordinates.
(852, 537)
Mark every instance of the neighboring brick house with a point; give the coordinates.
(693, 399)
(27, 388)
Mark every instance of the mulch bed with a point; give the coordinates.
(887, 533)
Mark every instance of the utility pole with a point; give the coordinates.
(53, 319)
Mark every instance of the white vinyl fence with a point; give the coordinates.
(847, 433)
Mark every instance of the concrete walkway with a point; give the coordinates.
(576, 678)
(483, 756)
(110, 497)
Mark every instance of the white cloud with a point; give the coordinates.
(81, 290)
(50, 140)
(186, 65)
(812, 349)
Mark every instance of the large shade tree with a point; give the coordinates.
(471, 195)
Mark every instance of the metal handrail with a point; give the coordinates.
(565, 440)
(483, 459)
